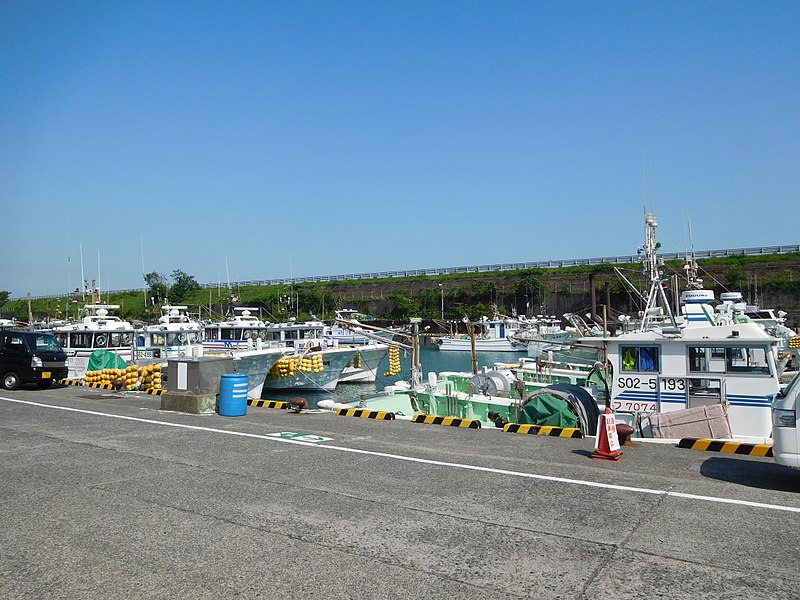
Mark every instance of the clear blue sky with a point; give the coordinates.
(311, 138)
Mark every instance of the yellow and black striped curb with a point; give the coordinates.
(448, 421)
(101, 386)
(267, 403)
(365, 413)
(107, 386)
(726, 447)
(549, 430)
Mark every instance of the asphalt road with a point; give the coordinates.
(105, 496)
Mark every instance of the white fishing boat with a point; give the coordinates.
(363, 368)
(311, 369)
(98, 329)
(176, 334)
(243, 331)
(493, 335)
(542, 334)
(345, 335)
(668, 365)
(256, 364)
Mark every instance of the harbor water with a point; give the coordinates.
(432, 359)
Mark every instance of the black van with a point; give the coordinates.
(30, 357)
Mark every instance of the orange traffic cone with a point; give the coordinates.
(606, 446)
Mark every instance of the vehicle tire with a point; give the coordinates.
(10, 381)
(44, 383)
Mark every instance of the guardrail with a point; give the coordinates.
(541, 264)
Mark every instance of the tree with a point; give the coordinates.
(734, 275)
(405, 305)
(183, 284)
(4, 297)
(156, 286)
(530, 288)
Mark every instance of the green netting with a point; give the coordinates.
(105, 359)
(545, 409)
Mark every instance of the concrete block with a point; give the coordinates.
(198, 404)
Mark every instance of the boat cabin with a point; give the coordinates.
(670, 369)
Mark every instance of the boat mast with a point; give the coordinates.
(657, 298)
(83, 280)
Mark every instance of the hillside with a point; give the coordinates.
(771, 280)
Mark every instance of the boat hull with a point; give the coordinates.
(368, 359)
(491, 345)
(256, 364)
(334, 361)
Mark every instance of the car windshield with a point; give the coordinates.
(46, 343)
(795, 382)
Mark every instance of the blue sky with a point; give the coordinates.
(310, 138)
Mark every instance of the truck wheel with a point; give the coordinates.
(10, 381)
(44, 383)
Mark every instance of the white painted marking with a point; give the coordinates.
(306, 437)
(426, 461)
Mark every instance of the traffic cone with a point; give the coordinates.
(606, 446)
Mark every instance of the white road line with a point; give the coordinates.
(271, 438)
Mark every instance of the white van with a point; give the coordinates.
(785, 426)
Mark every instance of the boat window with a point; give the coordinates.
(120, 339)
(747, 360)
(101, 340)
(230, 334)
(706, 359)
(728, 359)
(176, 339)
(62, 338)
(211, 333)
(640, 358)
(157, 339)
(80, 340)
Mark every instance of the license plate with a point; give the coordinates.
(46, 375)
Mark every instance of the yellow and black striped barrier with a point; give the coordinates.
(101, 386)
(267, 403)
(447, 421)
(549, 430)
(154, 391)
(70, 381)
(726, 447)
(365, 413)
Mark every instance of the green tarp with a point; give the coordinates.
(105, 359)
(544, 409)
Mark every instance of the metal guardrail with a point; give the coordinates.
(541, 264)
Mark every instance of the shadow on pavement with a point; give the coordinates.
(752, 473)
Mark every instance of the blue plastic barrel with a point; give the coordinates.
(233, 394)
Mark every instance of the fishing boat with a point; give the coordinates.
(256, 364)
(542, 334)
(309, 368)
(242, 331)
(346, 335)
(176, 334)
(97, 329)
(494, 335)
